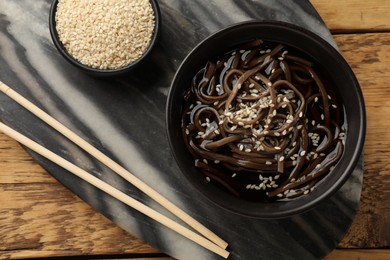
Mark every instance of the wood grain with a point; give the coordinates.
(367, 254)
(41, 218)
(369, 57)
(354, 15)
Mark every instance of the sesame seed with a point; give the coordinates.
(241, 147)
(281, 159)
(276, 177)
(205, 161)
(216, 161)
(306, 192)
(248, 150)
(294, 163)
(187, 131)
(277, 148)
(234, 175)
(129, 18)
(268, 163)
(302, 153)
(208, 179)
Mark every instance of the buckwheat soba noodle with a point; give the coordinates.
(262, 123)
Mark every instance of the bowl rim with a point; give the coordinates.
(360, 108)
(106, 72)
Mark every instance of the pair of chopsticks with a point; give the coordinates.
(209, 240)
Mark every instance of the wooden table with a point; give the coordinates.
(41, 218)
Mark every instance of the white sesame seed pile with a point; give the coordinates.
(105, 34)
(260, 122)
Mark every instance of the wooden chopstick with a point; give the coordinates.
(200, 240)
(113, 165)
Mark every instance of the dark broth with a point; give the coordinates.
(263, 123)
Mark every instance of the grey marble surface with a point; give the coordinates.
(125, 118)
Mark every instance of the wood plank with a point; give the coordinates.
(369, 57)
(356, 254)
(21, 168)
(354, 14)
(41, 218)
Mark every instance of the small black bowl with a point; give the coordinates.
(321, 52)
(104, 72)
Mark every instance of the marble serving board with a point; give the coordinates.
(125, 118)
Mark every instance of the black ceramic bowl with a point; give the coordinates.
(103, 72)
(321, 52)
